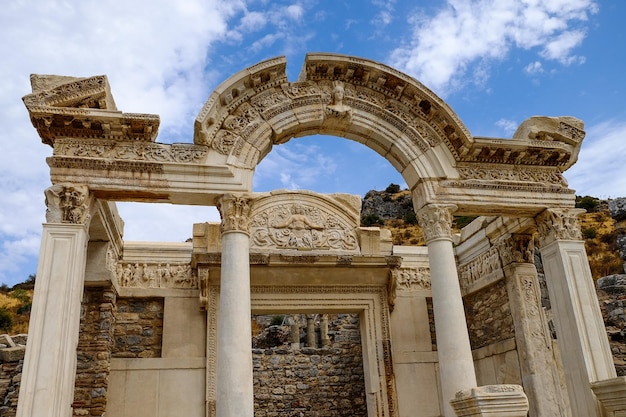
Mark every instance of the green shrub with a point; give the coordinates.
(6, 320)
(370, 220)
(590, 233)
(392, 189)
(587, 202)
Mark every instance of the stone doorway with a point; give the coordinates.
(363, 313)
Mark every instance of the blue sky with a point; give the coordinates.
(495, 62)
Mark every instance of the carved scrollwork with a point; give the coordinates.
(436, 221)
(513, 174)
(235, 212)
(225, 141)
(142, 151)
(302, 227)
(151, 275)
(559, 224)
(518, 248)
(67, 203)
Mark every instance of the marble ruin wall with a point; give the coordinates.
(312, 381)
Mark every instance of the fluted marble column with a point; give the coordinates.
(579, 326)
(456, 365)
(234, 333)
(49, 372)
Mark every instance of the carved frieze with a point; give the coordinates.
(436, 221)
(515, 173)
(151, 275)
(235, 212)
(67, 203)
(558, 224)
(301, 226)
(411, 278)
(138, 151)
(482, 266)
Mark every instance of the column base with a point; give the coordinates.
(612, 395)
(491, 400)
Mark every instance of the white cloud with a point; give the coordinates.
(294, 167)
(534, 68)
(471, 33)
(154, 56)
(508, 126)
(600, 170)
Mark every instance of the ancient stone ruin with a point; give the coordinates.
(454, 328)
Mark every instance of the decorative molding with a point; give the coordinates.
(67, 203)
(235, 212)
(156, 275)
(559, 224)
(203, 286)
(436, 221)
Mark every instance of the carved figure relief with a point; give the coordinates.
(337, 108)
(152, 275)
(481, 266)
(67, 204)
(302, 227)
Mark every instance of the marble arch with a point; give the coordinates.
(399, 118)
(268, 247)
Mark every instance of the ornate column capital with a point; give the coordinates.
(68, 203)
(558, 224)
(235, 212)
(516, 248)
(436, 221)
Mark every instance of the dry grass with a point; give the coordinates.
(600, 232)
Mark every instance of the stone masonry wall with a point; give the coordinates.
(489, 318)
(94, 352)
(138, 328)
(10, 378)
(312, 382)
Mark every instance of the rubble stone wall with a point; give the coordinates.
(138, 328)
(93, 353)
(489, 318)
(312, 382)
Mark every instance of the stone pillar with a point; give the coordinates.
(325, 340)
(310, 331)
(50, 362)
(234, 332)
(295, 332)
(579, 326)
(534, 344)
(456, 365)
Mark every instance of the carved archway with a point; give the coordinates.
(391, 113)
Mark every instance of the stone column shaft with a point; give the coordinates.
(49, 371)
(580, 329)
(310, 331)
(456, 365)
(539, 374)
(235, 397)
